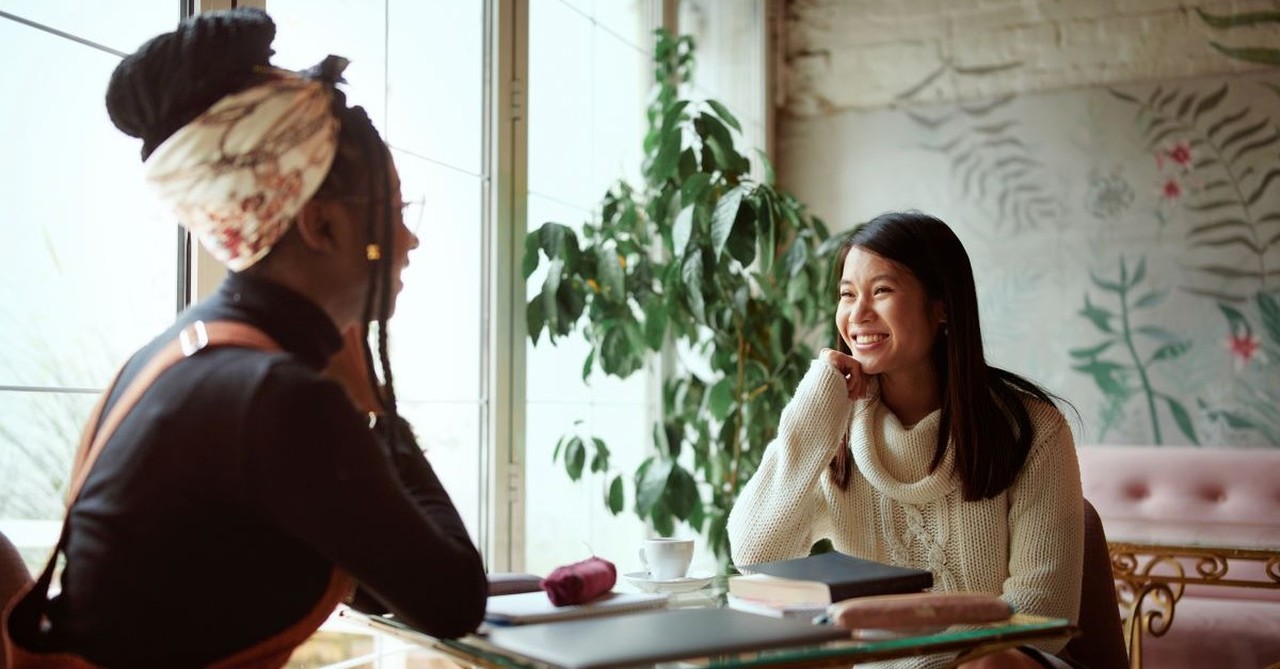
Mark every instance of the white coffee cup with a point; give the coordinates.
(667, 559)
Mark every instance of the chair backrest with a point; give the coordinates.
(13, 578)
(1101, 641)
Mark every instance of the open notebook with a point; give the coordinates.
(536, 607)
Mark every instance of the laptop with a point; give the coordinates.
(657, 636)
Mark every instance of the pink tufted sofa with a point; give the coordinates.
(1197, 495)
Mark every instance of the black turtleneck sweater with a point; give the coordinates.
(214, 514)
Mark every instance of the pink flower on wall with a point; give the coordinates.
(1244, 347)
(1180, 154)
(1171, 190)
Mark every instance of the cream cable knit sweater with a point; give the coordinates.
(1026, 544)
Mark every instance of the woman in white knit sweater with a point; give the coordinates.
(905, 446)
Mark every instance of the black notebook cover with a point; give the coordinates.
(657, 636)
(847, 576)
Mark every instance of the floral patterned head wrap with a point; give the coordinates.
(237, 175)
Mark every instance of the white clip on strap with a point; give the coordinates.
(193, 338)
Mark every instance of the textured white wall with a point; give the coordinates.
(861, 54)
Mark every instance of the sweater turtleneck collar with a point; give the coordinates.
(895, 460)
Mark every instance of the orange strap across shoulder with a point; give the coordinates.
(27, 610)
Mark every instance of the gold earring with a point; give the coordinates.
(373, 252)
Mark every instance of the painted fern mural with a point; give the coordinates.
(1221, 163)
(990, 163)
(1131, 344)
(992, 166)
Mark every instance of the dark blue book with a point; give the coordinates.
(825, 578)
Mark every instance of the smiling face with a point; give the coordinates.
(885, 317)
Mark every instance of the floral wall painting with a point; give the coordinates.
(1125, 239)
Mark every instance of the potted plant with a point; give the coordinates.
(699, 254)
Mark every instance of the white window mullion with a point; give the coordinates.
(506, 149)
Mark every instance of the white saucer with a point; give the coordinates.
(641, 580)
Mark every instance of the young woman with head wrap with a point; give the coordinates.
(249, 489)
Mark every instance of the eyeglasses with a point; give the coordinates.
(412, 211)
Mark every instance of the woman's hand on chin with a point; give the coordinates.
(855, 381)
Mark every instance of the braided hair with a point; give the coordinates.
(176, 76)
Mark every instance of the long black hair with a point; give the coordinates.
(176, 76)
(983, 414)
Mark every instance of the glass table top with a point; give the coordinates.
(477, 650)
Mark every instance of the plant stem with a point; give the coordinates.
(1137, 362)
(742, 407)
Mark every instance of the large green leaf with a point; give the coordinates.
(721, 143)
(767, 229)
(1269, 309)
(613, 281)
(682, 231)
(1092, 351)
(793, 261)
(720, 397)
(1182, 418)
(664, 164)
(1138, 274)
(1233, 420)
(550, 305)
(599, 459)
(614, 501)
(691, 273)
(724, 114)
(682, 493)
(1109, 286)
(1236, 321)
(1108, 376)
(717, 531)
(671, 118)
(695, 188)
(655, 322)
(1170, 351)
(722, 219)
(742, 239)
(652, 485)
(529, 262)
(1151, 299)
(1100, 317)
(559, 242)
(587, 364)
(619, 355)
(798, 288)
(535, 318)
(575, 458)
(662, 519)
